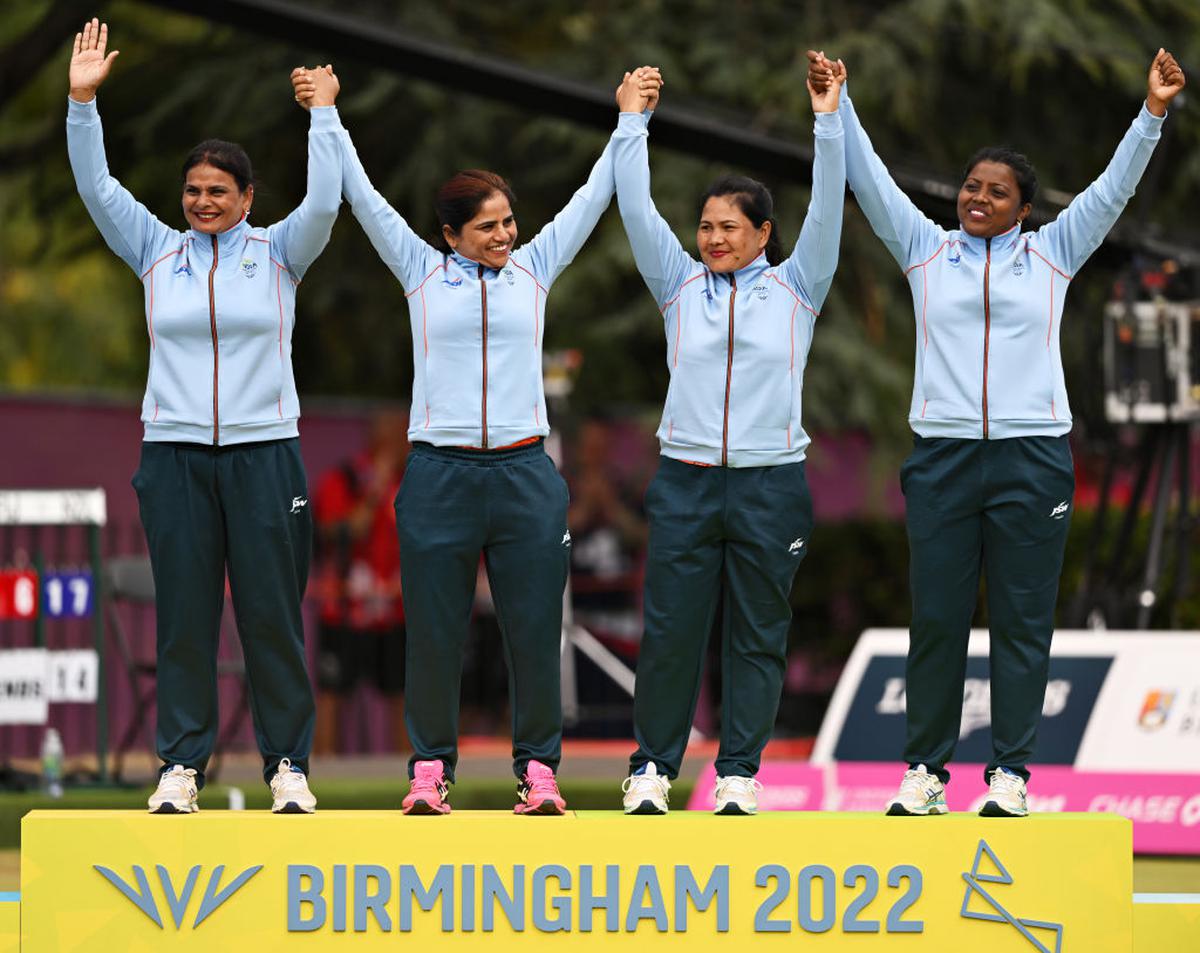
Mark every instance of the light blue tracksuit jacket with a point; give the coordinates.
(736, 343)
(989, 311)
(219, 308)
(477, 332)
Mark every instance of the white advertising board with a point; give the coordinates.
(1115, 701)
(24, 686)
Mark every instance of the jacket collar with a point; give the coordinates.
(1002, 241)
(471, 266)
(227, 240)
(748, 272)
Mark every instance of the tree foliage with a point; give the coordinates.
(932, 79)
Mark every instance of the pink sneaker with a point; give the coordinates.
(539, 792)
(427, 791)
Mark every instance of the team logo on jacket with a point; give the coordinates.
(183, 269)
(760, 292)
(249, 268)
(954, 256)
(1018, 268)
(509, 276)
(452, 282)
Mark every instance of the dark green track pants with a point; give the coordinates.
(716, 530)
(1003, 506)
(511, 507)
(244, 509)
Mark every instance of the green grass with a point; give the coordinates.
(335, 794)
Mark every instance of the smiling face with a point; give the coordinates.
(212, 201)
(488, 238)
(989, 202)
(726, 238)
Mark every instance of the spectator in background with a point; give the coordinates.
(361, 629)
(608, 538)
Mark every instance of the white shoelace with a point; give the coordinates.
(646, 784)
(178, 784)
(917, 781)
(735, 785)
(1004, 783)
(287, 780)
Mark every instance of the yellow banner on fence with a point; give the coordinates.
(365, 880)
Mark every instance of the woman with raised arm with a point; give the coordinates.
(221, 484)
(990, 479)
(478, 479)
(729, 509)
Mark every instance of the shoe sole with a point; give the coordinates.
(424, 808)
(546, 807)
(646, 807)
(293, 808)
(992, 809)
(899, 810)
(735, 809)
(169, 808)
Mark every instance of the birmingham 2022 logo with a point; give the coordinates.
(997, 914)
(177, 900)
(141, 895)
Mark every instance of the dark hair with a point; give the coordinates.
(226, 156)
(754, 201)
(459, 198)
(1022, 168)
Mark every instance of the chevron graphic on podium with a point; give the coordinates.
(974, 880)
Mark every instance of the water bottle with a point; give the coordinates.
(52, 758)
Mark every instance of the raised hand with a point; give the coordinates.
(1163, 84)
(820, 70)
(90, 62)
(315, 87)
(639, 90)
(824, 82)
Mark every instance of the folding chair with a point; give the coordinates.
(129, 588)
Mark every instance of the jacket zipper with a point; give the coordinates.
(212, 321)
(483, 299)
(987, 332)
(728, 375)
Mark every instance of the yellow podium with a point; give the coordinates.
(365, 880)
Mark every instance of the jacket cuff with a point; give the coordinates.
(1148, 124)
(324, 119)
(633, 124)
(827, 125)
(82, 112)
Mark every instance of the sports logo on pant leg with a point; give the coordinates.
(797, 545)
(298, 503)
(1061, 510)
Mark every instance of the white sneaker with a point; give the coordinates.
(176, 792)
(921, 793)
(289, 787)
(646, 792)
(736, 795)
(1006, 796)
